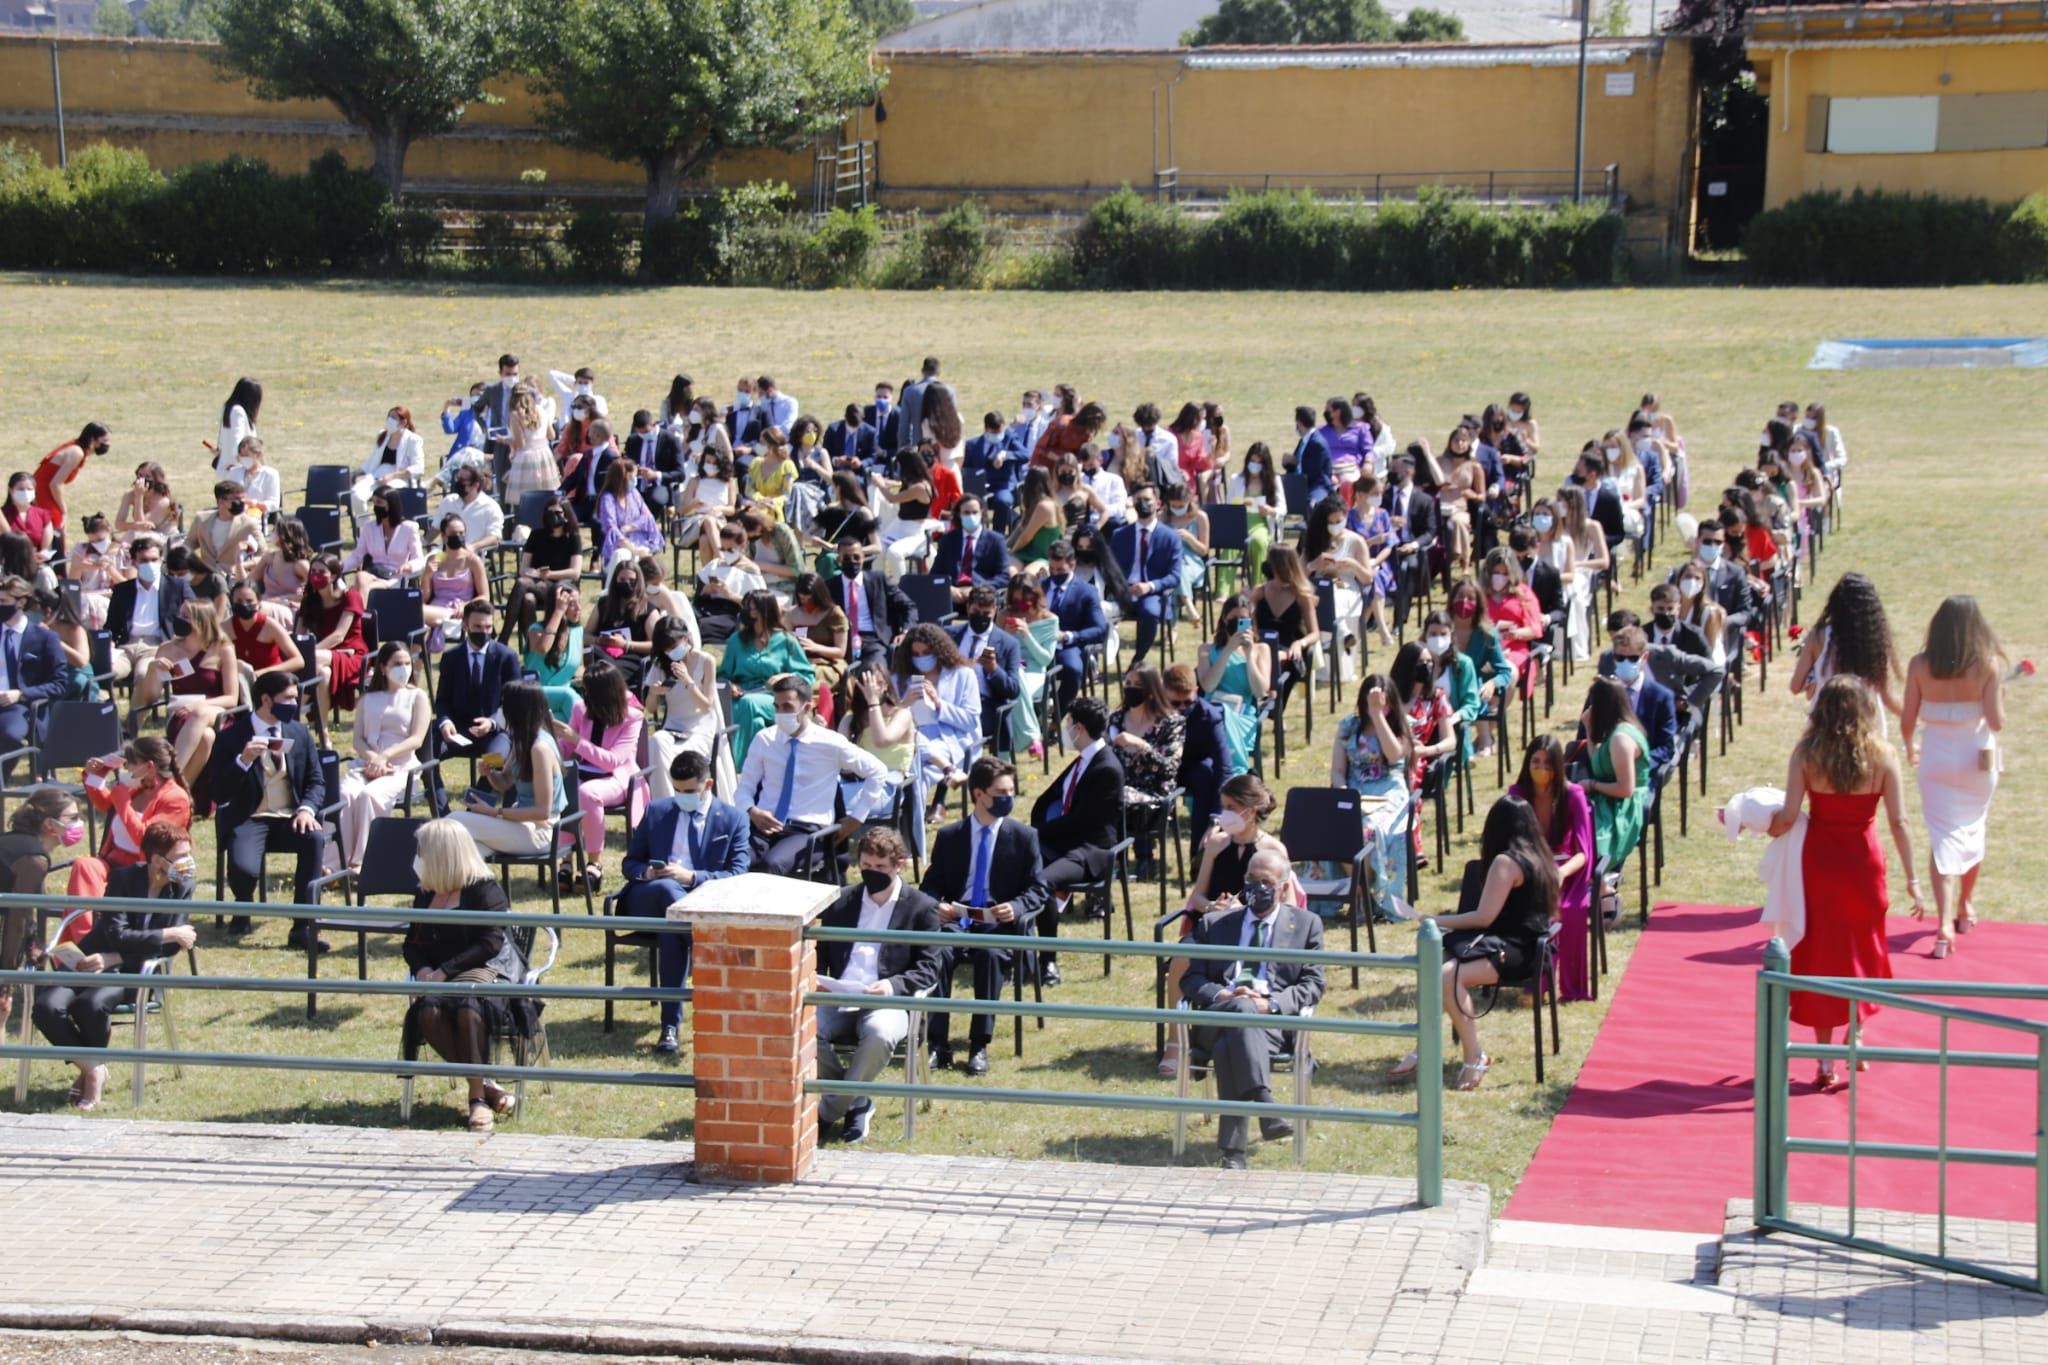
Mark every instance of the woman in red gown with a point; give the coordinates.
(1844, 767)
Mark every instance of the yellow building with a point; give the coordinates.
(1947, 99)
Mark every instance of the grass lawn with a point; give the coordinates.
(1948, 492)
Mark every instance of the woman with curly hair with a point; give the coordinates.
(1843, 767)
(1852, 637)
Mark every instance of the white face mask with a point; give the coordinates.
(1029, 414)
(1806, 424)
(1689, 586)
(583, 389)
(1230, 821)
(1517, 414)
(743, 400)
(101, 543)
(1439, 646)
(1357, 413)
(23, 496)
(391, 424)
(1798, 457)
(1500, 583)
(789, 722)
(729, 556)
(400, 674)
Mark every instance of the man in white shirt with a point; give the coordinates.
(790, 783)
(881, 901)
(580, 385)
(1032, 420)
(483, 521)
(1109, 486)
(778, 409)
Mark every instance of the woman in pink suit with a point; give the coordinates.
(602, 738)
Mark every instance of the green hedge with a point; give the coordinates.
(1292, 240)
(110, 210)
(1876, 237)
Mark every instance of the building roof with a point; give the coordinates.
(1895, 19)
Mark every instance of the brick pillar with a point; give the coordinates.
(755, 1041)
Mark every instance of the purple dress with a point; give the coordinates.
(1575, 897)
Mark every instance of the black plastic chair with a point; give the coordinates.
(73, 731)
(930, 594)
(323, 526)
(1326, 825)
(387, 871)
(1540, 978)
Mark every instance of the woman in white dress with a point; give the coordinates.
(398, 459)
(1590, 559)
(1337, 553)
(1953, 689)
(237, 420)
(943, 430)
(1555, 546)
(686, 678)
(390, 725)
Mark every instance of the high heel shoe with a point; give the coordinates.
(1943, 947)
(1965, 923)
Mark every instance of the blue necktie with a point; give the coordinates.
(697, 842)
(788, 784)
(13, 659)
(977, 887)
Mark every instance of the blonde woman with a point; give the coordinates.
(1954, 688)
(198, 677)
(770, 476)
(532, 468)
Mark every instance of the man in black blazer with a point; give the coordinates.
(1312, 457)
(1415, 531)
(1727, 582)
(32, 668)
(985, 874)
(1243, 1057)
(1680, 656)
(1082, 623)
(990, 456)
(877, 612)
(1539, 573)
(493, 410)
(850, 442)
(971, 553)
(1204, 752)
(881, 901)
(474, 675)
(268, 790)
(1080, 817)
(997, 660)
(161, 597)
(885, 415)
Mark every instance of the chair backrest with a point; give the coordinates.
(388, 857)
(323, 525)
(412, 502)
(975, 482)
(330, 774)
(77, 730)
(1229, 525)
(1322, 824)
(930, 594)
(398, 612)
(1294, 487)
(1326, 611)
(531, 504)
(1471, 885)
(101, 646)
(327, 486)
(309, 667)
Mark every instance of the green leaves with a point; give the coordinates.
(1321, 21)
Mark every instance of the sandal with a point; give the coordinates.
(481, 1120)
(500, 1100)
(1404, 1068)
(1169, 1065)
(1472, 1073)
(89, 1086)
(1825, 1079)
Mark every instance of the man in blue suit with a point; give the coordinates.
(471, 689)
(684, 841)
(971, 555)
(1312, 456)
(1655, 705)
(1079, 609)
(31, 667)
(990, 456)
(1149, 555)
(850, 442)
(1204, 752)
(995, 658)
(886, 417)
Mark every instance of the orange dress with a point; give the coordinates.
(1843, 870)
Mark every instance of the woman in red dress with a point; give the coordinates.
(332, 614)
(1843, 767)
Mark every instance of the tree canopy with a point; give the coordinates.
(671, 83)
(398, 69)
(884, 17)
(1288, 22)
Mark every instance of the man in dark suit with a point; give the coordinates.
(997, 660)
(1539, 573)
(682, 842)
(971, 555)
(990, 456)
(268, 790)
(493, 410)
(913, 399)
(885, 415)
(881, 901)
(1415, 533)
(877, 611)
(143, 611)
(850, 442)
(1655, 704)
(1204, 752)
(471, 688)
(1079, 818)
(1312, 456)
(744, 417)
(1243, 1057)
(1079, 609)
(32, 668)
(1680, 656)
(1727, 582)
(1149, 555)
(985, 874)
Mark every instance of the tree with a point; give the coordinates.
(1429, 26)
(1613, 20)
(113, 20)
(397, 69)
(187, 19)
(731, 74)
(884, 17)
(1246, 21)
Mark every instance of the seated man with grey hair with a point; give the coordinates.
(1243, 1057)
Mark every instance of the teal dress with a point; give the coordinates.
(522, 789)
(1038, 642)
(557, 683)
(1618, 820)
(1460, 682)
(748, 669)
(1240, 708)
(1489, 660)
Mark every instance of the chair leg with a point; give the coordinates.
(171, 1035)
(1304, 1069)
(141, 1042)
(1181, 1072)
(1536, 1020)
(610, 969)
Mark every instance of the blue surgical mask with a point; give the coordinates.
(924, 663)
(680, 652)
(1001, 806)
(1541, 521)
(970, 521)
(1710, 554)
(285, 712)
(689, 803)
(1627, 670)
(147, 574)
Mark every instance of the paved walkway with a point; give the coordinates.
(341, 1235)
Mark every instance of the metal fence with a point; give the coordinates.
(338, 917)
(1774, 1142)
(1503, 188)
(1425, 1032)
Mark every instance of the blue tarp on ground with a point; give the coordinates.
(1929, 353)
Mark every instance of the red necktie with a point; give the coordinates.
(1073, 781)
(1144, 544)
(966, 557)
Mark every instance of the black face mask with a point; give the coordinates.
(8, 611)
(479, 638)
(1258, 897)
(1001, 806)
(875, 883)
(180, 627)
(243, 611)
(237, 507)
(1664, 620)
(980, 624)
(455, 542)
(1135, 697)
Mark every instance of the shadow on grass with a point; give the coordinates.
(293, 1016)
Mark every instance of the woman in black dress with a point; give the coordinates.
(553, 556)
(1500, 937)
(453, 877)
(1227, 849)
(1284, 615)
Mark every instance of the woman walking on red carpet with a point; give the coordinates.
(1843, 767)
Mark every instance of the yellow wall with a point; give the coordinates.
(1055, 126)
(1793, 76)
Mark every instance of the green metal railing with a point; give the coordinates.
(1425, 1033)
(338, 917)
(1775, 1052)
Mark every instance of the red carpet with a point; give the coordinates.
(1657, 1133)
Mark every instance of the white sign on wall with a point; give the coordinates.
(1621, 82)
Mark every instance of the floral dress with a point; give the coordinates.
(1150, 773)
(1367, 772)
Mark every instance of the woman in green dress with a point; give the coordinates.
(1618, 757)
(1236, 671)
(1038, 521)
(759, 650)
(1478, 641)
(554, 650)
(1037, 632)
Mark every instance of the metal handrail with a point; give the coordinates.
(1426, 1030)
(1774, 1142)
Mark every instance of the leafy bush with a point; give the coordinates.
(842, 245)
(1130, 242)
(791, 253)
(953, 251)
(596, 242)
(2023, 240)
(1877, 237)
(698, 245)
(353, 223)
